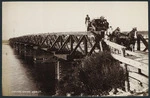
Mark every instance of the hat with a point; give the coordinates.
(134, 28)
(118, 28)
(102, 17)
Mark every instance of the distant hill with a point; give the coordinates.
(144, 33)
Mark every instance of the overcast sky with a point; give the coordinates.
(21, 18)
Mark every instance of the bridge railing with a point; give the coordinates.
(136, 71)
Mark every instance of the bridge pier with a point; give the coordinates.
(58, 70)
(63, 67)
(63, 72)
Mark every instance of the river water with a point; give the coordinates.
(20, 78)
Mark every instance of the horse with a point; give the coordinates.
(128, 40)
(132, 38)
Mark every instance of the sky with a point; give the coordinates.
(22, 18)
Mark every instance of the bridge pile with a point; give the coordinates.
(76, 45)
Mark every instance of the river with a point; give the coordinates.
(20, 78)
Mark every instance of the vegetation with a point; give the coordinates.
(96, 75)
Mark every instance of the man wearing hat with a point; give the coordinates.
(87, 20)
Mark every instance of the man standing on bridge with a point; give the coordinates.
(87, 20)
(109, 32)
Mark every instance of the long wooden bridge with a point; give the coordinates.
(76, 45)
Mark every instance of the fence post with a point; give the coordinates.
(123, 52)
(85, 46)
(138, 43)
(71, 42)
(127, 85)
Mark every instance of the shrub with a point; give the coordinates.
(96, 75)
(101, 72)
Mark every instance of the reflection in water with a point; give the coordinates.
(20, 77)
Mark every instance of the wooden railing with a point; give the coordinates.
(136, 72)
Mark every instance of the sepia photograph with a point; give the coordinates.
(75, 48)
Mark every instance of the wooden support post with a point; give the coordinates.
(101, 47)
(93, 48)
(89, 41)
(123, 52)
(127, 85)
(71, 42)
(138, 48)
(57, 70)
(61, 40)
(139, 71)
(85, 46)
(138, 43)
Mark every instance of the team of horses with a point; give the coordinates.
(127, 39)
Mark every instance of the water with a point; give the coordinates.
(20, 78)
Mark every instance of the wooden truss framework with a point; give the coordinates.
(60, 43)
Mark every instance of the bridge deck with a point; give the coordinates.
(142, 57)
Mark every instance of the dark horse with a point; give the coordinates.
(128, 40)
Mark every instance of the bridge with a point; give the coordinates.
(74, 46)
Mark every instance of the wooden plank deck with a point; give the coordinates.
(139, 56)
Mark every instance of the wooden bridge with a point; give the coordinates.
(76, 45)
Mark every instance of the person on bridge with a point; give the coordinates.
(87, 20)
(109, 32)
(132, 38)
